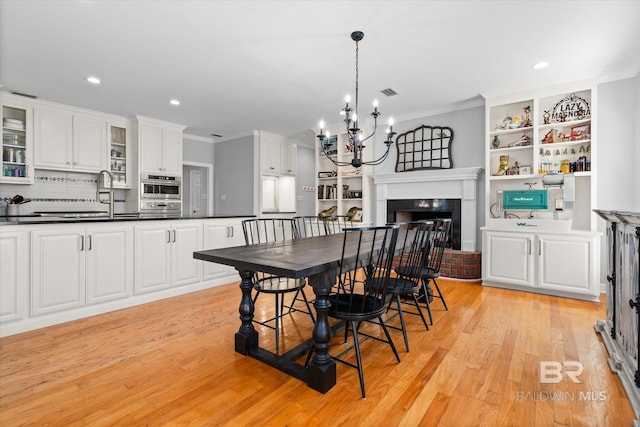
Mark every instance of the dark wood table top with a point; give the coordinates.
(295, 258)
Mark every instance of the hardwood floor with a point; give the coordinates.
(172, 363)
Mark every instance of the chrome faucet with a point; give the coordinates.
(102, 190)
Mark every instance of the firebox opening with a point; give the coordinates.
(417, 209)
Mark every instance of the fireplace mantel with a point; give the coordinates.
(457, 183)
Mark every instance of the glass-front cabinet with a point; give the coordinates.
(17, 152)
(119, 153)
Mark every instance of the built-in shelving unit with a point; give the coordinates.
(343, 187)
(16, 159)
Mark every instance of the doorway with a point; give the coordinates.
(196, 189)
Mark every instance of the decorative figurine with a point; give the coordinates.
(546, 117)
(495, 143)
(524, 140)
(504, 166)
(550, 136)
(328, 212)
(562, 116)
(527, 116)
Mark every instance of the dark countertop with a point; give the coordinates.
(37, 219)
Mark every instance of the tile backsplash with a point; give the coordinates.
(59, 191)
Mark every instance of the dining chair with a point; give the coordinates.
(309, 226)
(355, 299)
(404, 284)
(336, 224)
(431, 270)
(265, 230)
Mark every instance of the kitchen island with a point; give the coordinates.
(57, 269)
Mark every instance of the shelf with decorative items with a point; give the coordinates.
(341, 191)
(544, 142)
(120, 153)
(17, 153)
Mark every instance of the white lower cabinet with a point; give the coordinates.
(75, 266)
(221, 234)
(14, 276)
(565, 264)
(164, 255)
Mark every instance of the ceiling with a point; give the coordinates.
(281, 66)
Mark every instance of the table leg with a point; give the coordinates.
(321, 372)
(247, 337)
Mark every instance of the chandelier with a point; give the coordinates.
(355, 136)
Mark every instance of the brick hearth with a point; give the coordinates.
(461, 265)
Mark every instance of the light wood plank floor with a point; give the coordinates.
(172, 363)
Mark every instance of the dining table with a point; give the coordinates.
(315, 258)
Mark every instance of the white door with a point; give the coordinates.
(109, 263)
(52, 138)
(58, 270)
(197, 204)
(150, 148)
(172, 151)
(89, 143)
(185, 240)
(565, 263)
(14, 276)
(153, 258)
(216, 235)
(508, 259)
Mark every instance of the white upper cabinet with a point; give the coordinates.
(68, 140)
(17, 140)
(160, 147)
(277, 156)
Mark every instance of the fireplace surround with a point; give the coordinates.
(460, 184)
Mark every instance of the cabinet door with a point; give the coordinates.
(508, 258)
(150, 148)
(172, 151)
(14, 279)
(289, 162)
(18, 170)
(53, 133)
(89, 143)
(566, 263)
(216, 235)
(152, 259)
(270, 154)
(109, 263)
(58, 270)
(185, 240)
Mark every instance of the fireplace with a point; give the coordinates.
(429, 194)
(400, 210)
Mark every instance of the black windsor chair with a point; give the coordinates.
(431, 270)
(354, 300)
(274, 230)
(407, 266)
(309, 226)
(335, 224)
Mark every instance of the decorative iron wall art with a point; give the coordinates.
(425, 147)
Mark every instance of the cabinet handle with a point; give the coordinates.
(232, 232)
(529, 247)
(168, 236)
(539, 247)
(174, 236)
(89, 242)
(81, 243)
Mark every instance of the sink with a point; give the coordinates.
(538, 225)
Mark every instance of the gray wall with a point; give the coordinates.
(306, 177)
(197, 151)
(234, 183)
(467, 149)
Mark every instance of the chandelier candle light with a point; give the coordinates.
(354, 134)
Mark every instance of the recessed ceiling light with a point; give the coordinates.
(540, 65)
(174, 102)
(94, 80)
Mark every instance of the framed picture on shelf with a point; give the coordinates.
(580, 132)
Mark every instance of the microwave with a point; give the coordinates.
(160, 187)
